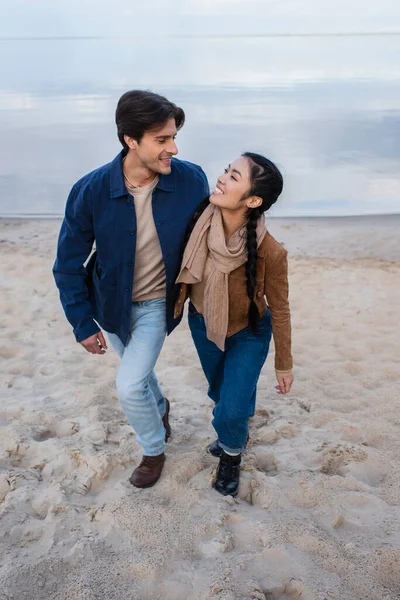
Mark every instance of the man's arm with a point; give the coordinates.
(75, 243)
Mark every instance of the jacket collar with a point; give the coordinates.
(117, 183)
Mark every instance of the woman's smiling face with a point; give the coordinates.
(232, 186)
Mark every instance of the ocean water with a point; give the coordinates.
(314, 85)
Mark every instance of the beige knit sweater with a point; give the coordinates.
(149, 273)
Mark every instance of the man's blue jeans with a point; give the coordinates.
(139, 393)
(232, 376)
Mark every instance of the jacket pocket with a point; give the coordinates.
(105, 291)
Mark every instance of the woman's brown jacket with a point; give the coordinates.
(272, 290)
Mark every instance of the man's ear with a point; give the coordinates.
(254, 202)
(130, 142)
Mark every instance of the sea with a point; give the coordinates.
(313, 85)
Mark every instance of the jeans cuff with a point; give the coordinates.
(154, 452)
(229, 449)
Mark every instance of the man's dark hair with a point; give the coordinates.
(139, 111)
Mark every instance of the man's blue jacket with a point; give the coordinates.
(100, 211)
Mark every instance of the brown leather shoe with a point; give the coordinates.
(148, 472)
(165, 421)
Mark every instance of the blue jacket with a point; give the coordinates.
(99, 210)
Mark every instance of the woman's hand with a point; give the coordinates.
(284, 383)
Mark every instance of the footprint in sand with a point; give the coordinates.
(268, 435)
(47, 371)
(66, 428)
(333, 459)
(265, 435)
(261, 418)
(263, 461)
(287, 431)
(354, 369)
(253, 489)
(43, 433)
(293, 590)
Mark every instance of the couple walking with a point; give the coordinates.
(160, 239)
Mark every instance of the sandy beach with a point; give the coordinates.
(318, 513)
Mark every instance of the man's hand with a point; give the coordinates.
(285, 383)
(95, 344)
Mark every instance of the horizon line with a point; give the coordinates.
(202, 36)
(56, 216)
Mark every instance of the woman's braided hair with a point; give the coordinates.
(266, 182)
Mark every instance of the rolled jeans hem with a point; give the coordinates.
(231, 450)
(154, 452)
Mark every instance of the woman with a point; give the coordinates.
(235, 274)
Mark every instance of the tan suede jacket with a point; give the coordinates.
(272, 290)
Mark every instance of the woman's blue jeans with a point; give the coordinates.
(232, 376)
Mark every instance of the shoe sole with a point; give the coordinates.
(143, 487)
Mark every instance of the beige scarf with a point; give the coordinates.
(208, 239)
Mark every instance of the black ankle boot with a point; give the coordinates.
(228, 473)
(215, 449)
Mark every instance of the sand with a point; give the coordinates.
(318, 513)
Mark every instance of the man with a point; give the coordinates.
(136, 209)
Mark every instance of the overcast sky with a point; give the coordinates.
(31, 18)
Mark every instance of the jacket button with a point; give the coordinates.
(127, 289)
(130, 263)
(132, 233)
